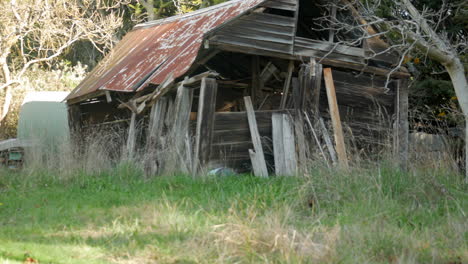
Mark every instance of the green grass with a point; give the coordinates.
(363, 216)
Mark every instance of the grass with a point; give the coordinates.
(372, 215)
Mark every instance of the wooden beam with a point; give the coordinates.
(316, 89)
(278, 147)
(317, 141)
(258, 158)
(131, 138)
(255, 84)
(205, 123)
(402, 126)
(289, 146)
(335, 116)
(328, 142)
(180, 130)
(154, 136)
(287, 83)
(108, 97)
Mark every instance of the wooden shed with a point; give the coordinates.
(245, 84)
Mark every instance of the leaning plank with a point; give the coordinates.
(316, 137)
(183, 106)
(287, 83)
(259, 164)
(131, 138)
(328, 141)
(278, 147)
(335, 116)
(316, 89)
(205, 123)
(289, 147)
(156, 121)
(154, 135)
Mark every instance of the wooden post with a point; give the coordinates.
(335, 116)
(402, 126)
(287, 83)
(131, 138)
(205, 123)
(289, 146)
(328, 141)
(278, 147)
(316, 91)
(316, 138)
(156, 123)
(255, 90)
(180, 130)
(257, 158)
(154, 135)
(302, 91)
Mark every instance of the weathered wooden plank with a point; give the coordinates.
(108, 97)
(283, 34)
(258, 158)
(205, 123)
(180, 130)
(301, 142)
(243, 44)
(317, 141)
(290, 160)
(261, 28)
(328, 142)
(131, 138)
(335, 115)
(236, 135)
(287, 83)
(247, 37)
(278, 147)
(156, 121)
(317, 86)
(327, 46)
(255, 87)
(279, 5)
(239, 120)
(270, 19)
(334, 56)
(402, 124)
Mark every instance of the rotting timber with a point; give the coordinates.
(193, 108)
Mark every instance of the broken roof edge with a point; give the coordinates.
(75, 97)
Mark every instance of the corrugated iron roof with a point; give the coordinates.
(153, 50)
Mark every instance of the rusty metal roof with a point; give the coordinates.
(153, 50)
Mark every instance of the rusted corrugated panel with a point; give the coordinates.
(153, 50)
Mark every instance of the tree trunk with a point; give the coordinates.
(6, 103)
(457, 74)
(149, 6)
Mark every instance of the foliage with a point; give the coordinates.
(374, 215)
(61, 77)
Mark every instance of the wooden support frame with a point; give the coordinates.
(257, 157)
(335, 116)
(402, 124)
(205, 123)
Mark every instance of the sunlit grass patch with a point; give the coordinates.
(118, 216)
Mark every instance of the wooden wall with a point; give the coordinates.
(232, 139)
